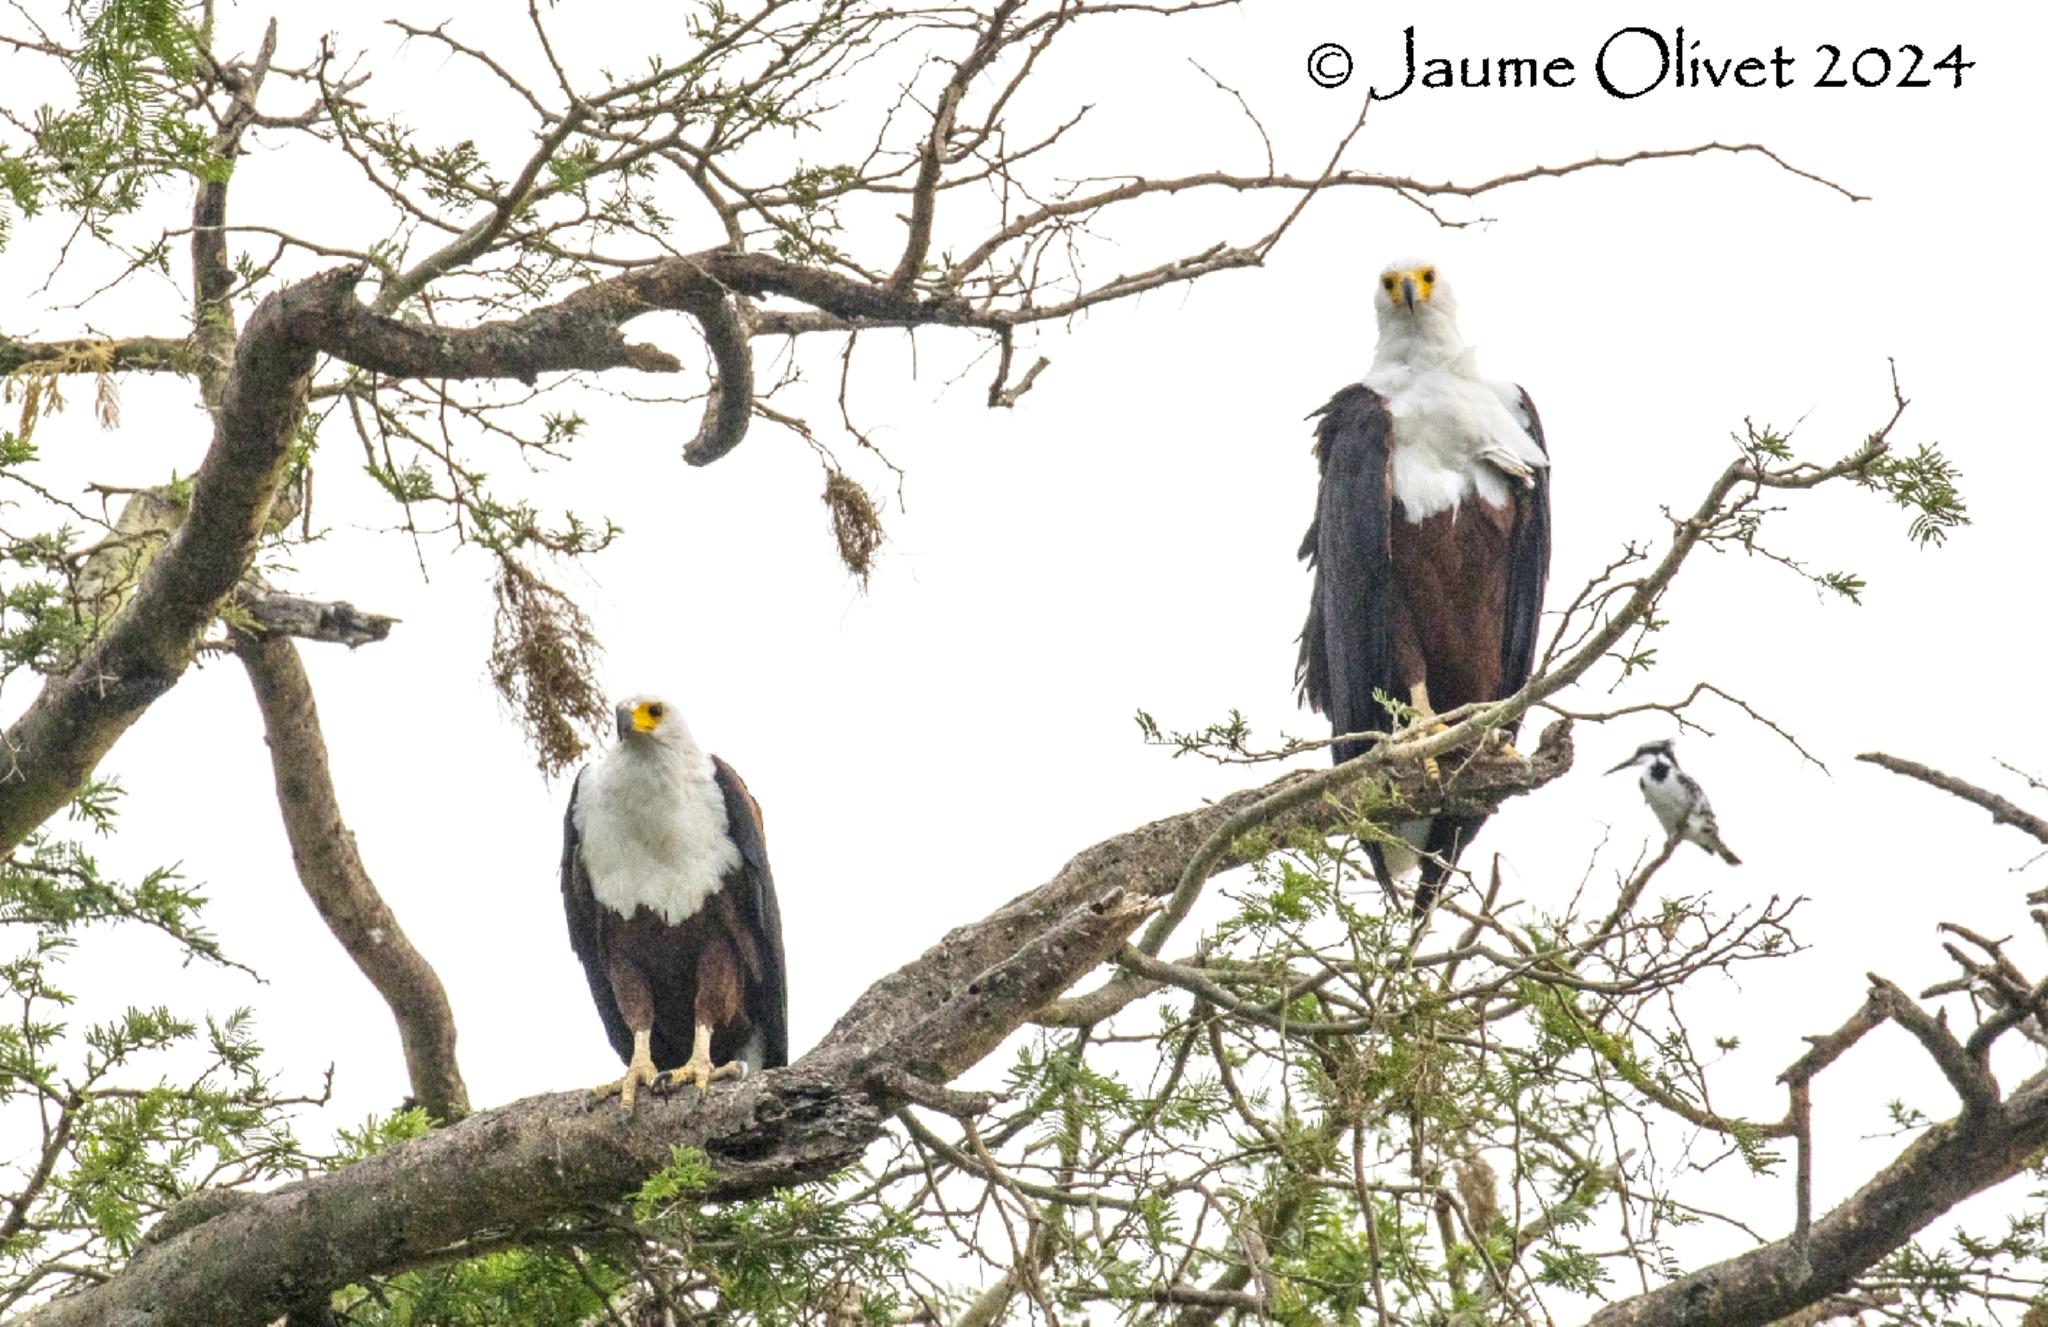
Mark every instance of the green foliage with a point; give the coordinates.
(40, 628)
(771, 1260)
(139, 1110)
(539, 1286)
(686, 1174)
(381, 1133)
(129, 128)
(1925, 485)
(55, 888)
(20, 191)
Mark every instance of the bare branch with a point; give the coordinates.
(1946, 1164)
(271, 613)
(2002, 811)
(1968, 1075)
(324, 851)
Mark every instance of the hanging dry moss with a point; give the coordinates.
(855, 524)
(544, 664)
(40, 385)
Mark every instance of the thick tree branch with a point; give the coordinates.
(730, 406)
(134, 354)
(2002, 811)
(79, 715)
(1947, 1164)
(930, 1020)
(324, 851)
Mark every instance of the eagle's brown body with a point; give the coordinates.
(667, 979)
(1450, 586)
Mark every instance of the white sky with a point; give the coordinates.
(1126, 538)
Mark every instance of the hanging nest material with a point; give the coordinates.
(856, 526)
(544, 664)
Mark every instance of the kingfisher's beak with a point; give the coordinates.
(1623, 765)
(625, 718)
(1408, 292)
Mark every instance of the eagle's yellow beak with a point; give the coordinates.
(641, 718)
(1410, 288)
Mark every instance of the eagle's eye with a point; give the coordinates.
(1387, 282)
(1429, 276)
(654, 711)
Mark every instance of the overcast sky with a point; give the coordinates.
(1125, 538)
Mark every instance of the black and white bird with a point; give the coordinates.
(1679, 801)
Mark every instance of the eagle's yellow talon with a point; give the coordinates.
(1504, 750)
(701, 1074)
(698, 1071)
(640, 1070)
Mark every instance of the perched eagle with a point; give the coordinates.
(1431, 540)
(672, 909)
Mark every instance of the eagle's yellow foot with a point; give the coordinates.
(702, 1073)
(698, 1070)
(1418, 696)
(1503, 749)
(639, 1070)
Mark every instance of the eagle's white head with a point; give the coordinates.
(1413, 298)
(652, 724)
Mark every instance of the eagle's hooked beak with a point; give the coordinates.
(625, 717)
(1408, 292)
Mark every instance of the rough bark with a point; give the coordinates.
(337, 622)
(920, 1026)
(135, 354)
(324, 851)
(78, 716)
(1947, 1164)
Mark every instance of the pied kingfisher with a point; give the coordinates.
(1680, 803)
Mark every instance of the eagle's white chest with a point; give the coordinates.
(1455, 436)
(653, 834)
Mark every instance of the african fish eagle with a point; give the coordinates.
(1431, 540)
(672, 908)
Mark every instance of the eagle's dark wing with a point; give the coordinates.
(1347, 646)
(1528, 569)
(584, 937)
(768, 1000)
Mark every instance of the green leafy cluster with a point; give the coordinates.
(775, 1260)
(129, 127)
(140, 1111)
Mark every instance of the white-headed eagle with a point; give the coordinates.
(1431, 540)
(672, 908)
